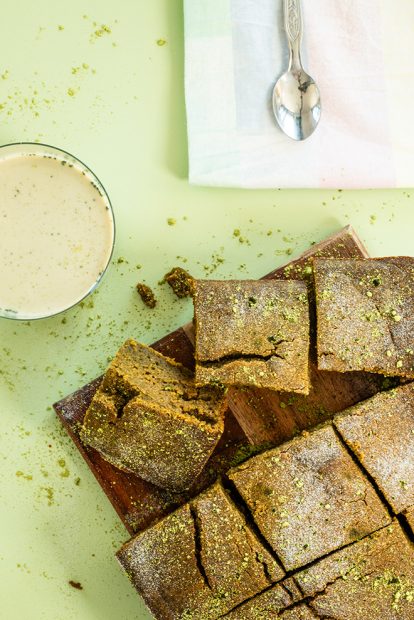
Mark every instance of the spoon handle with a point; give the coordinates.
(293, 27)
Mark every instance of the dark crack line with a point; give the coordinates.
(286, 589)
(245, 358)
(265, 567)
(249, 600)
(244, 509)
(403, 521)
(299, 587)
(251, 523)
(198, 546)
(365, 473)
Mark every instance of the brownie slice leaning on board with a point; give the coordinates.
(148, 417)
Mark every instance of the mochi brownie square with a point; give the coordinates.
(199, 562)
(365, 315)
(148, 417)
(372, 579)
(252, 333)
(308, 497)
(380, 432)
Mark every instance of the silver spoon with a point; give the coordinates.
(296, 98)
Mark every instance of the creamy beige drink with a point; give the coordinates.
(56, 231)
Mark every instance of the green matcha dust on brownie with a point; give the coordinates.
(252, 333)
(365, 315)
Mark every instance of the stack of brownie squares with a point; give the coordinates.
(321, 526)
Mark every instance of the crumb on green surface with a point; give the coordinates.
(180, 281)
(75, 584)
(103, 30)
(21, 474)
(171, 221)
(161, 42)
(147, 295)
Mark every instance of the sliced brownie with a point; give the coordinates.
(199, 562)
(365, 315)
(252, 333)
(370, 580)
(380, 432)
(308, 497)
(148, 417)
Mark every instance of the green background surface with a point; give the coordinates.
(116, 100)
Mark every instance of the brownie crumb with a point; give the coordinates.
(76, 585)
(180, 281)
(147, 295)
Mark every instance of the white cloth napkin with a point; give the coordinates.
(361, 54)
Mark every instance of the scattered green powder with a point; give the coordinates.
(20, 474)
(161, 42)
(62, 464)
(50, 495)
(372, 219)
(71, 92)
(100, 32)
(61, 27)
(171, 221)
(5, 75)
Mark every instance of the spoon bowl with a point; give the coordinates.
(296, 97)
(297, 104)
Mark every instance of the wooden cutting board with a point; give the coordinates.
(255, 418)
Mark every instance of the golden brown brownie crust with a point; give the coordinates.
(365, 315)
(199, 562)
(149, 418)
(308, 497)
(301, 612)
(380, 432)
(252, 333)
(372, 579)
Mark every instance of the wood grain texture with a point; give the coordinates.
(255, 418)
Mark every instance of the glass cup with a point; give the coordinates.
(57, 231)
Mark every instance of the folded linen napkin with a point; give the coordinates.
(360, 53)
